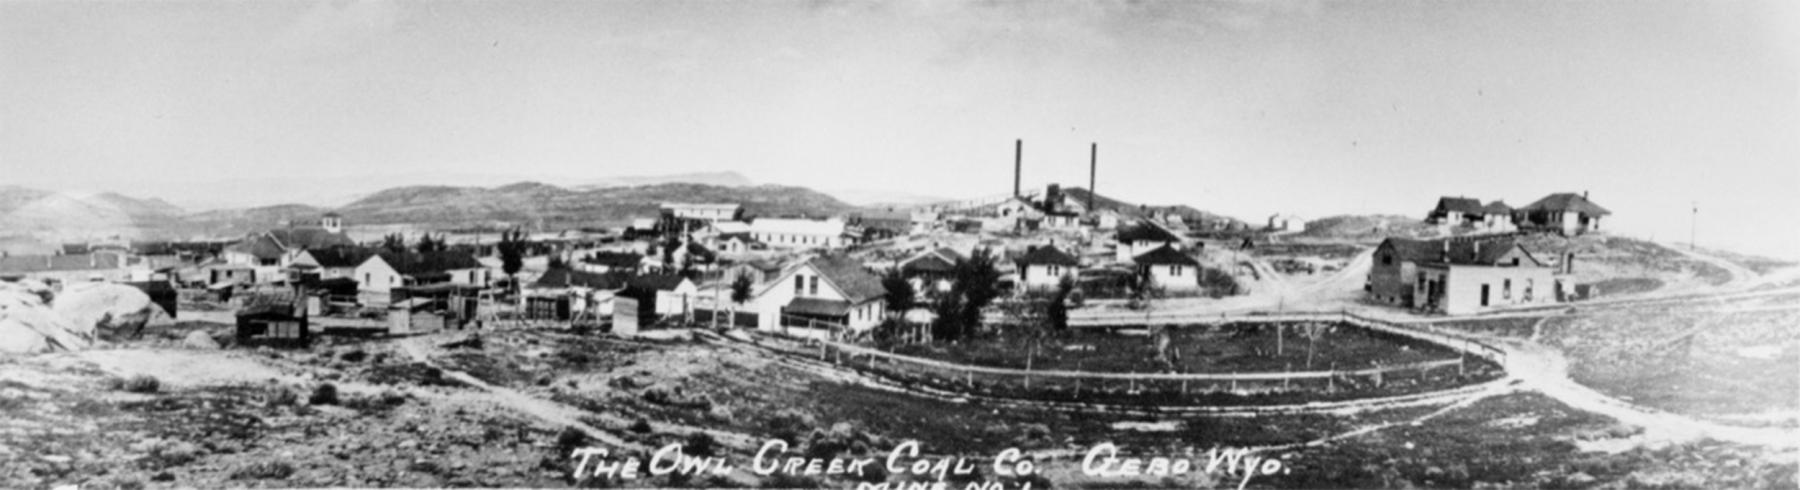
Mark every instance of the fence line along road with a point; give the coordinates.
(892, 364)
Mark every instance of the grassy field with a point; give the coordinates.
(1738, 367)
(397, 423)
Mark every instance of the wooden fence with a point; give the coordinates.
(1064, 384)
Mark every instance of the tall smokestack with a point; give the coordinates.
(1093, 168)
(1018, 163)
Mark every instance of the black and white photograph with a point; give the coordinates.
(900, 244)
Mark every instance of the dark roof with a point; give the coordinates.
(1164, 255)
(1145, 232)
(261, 246)
(817, 307)
(1485, 250)
(309, 237)
(1497, 207)
(927, 262)
(49, 263)
(1459, 205)
(282, 302)
(1567, 201)
(562, 277)
(1047, 255)
(695, 249)
(655, 282)
(1410, 250)
(857, 284)
(430, 263)
(615, 259)
(340, 256)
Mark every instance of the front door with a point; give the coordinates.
(1484, 295)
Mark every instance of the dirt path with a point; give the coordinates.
(1545, 370)
(540, 409)
(1741, 277)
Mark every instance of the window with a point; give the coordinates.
(813, 288)
(1053, 271)
(799, 284)
(1515, 261)
(1506, 288)
(1387, 259)
(366, 278)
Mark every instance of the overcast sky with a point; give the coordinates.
(1241, 107)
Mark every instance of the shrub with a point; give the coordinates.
(325, 394)
(280, 396)
(356, 355)
(641, 426)
(142, 383)
(700, 444)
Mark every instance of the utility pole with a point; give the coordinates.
(1693, 223)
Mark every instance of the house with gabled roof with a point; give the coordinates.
(1567, 213)
(930, 271)
(1143, 237)
(382, 272)
(822, 292)
(1469, 212)
(1395, 269)
(1043, 267)
(1461, 275)
(1169, 269)
(332, 262)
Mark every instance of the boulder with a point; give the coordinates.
(27, 325)
(200, 340)
(98, 307)
(16, 338)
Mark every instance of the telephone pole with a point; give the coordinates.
(1693, 220)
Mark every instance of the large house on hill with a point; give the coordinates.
(1470, 212)
(1461, 275)
(1566, 213)
(826, 290)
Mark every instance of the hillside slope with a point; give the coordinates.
(532, 203)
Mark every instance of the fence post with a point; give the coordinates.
(1184, 382)
(1131, 383)
(970, 377)
(1285, 369)
(1234, 381)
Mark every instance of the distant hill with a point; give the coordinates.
(532, 203)
(722, 179)
(36, 221)
(1367, 227)
(225, 223)
(1188, 213)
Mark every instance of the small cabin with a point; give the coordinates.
(274, 318)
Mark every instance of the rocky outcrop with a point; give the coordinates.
(28, 325)
(105, 308)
